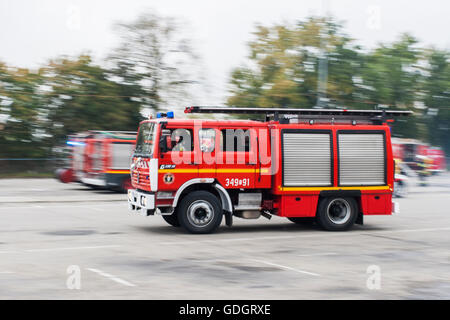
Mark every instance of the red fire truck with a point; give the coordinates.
(100, 159)
(411, 152)
(323, 165)
(437, 157)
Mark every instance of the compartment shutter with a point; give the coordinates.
(306, 159)
(361, 159)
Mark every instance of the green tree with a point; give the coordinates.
(283, 65)
(80, 96)
(436, 89)
(391, 77)
(20, 134)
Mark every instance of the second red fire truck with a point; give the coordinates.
(323, 165)
(100, 159)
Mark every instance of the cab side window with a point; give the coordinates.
(235, 140)
(180, 140)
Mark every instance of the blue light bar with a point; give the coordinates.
(170, 115)
(159, 115)
(75, 143)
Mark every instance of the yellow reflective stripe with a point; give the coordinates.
(178, 170)
(211, 170)
(117, 171)
(333, 188)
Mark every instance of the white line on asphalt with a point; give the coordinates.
(317, 254)
(229, 240)
(43, 205)
(6, 272)
(97, 209)
(287, 268)
(310, 235)
(71, 248)
(112, 277)
(418, 230)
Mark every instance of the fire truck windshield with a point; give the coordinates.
(146, 136)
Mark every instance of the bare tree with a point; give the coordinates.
(154, 61)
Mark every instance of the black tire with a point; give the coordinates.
(337, 213)
(302, 220)
(200, 212)
(172, 219)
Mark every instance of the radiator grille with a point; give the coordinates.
(306, 159)
(361, 159)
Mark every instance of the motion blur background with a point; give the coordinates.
(71, 66)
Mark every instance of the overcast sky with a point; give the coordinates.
(31, 32)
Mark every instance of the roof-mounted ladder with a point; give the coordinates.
(283, 114)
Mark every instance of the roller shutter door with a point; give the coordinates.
(361, 159)
(306, 159)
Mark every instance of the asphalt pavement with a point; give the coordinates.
(66, 241)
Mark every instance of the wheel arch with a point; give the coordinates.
(207, 184)
(355, 194)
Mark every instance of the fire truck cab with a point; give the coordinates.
(328, 166)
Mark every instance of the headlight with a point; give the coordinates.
(130, 195)
(143, 201)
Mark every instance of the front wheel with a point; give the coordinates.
(337, 214)
(200, 212)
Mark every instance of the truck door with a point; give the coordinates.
(237, 157)
(176, 165)
(206, 151)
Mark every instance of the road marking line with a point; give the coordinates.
(6, 272)
(229, 240)
(415, 230)
(287, 268)
(317, 254)
(71, 248)
(311, 235)
(112, 277)
(63, 206)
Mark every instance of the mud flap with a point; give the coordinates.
(360, 219)
(228, 218)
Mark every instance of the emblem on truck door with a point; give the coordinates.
(168, 178)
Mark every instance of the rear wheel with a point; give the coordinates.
(200, 212)
(172, 220)
(337, 214)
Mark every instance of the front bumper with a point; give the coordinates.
(141, 203)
